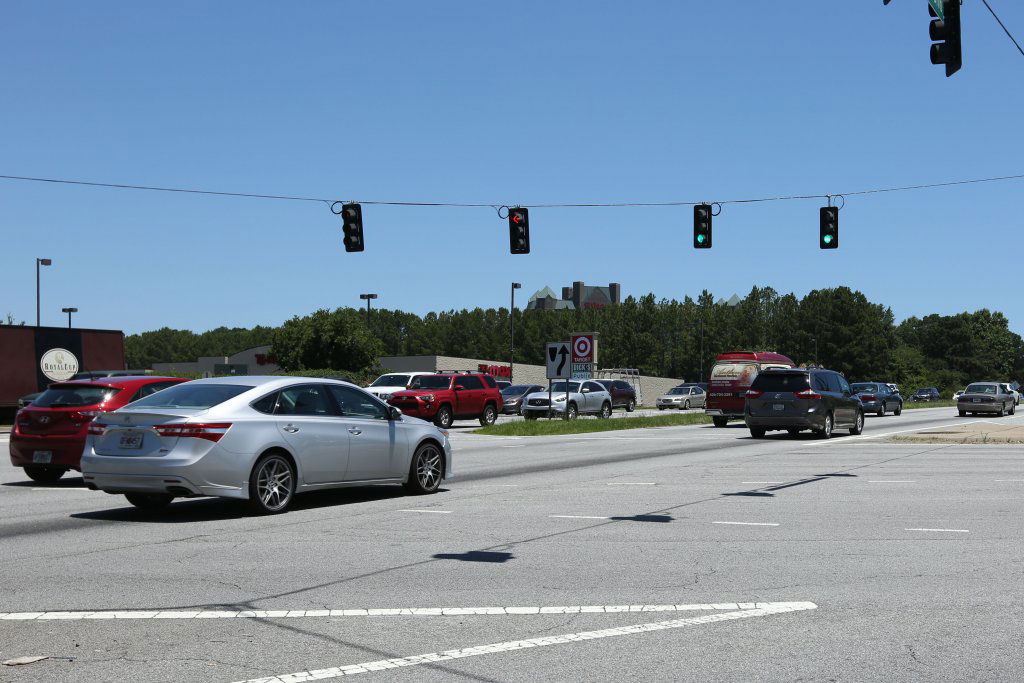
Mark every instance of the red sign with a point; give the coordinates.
(495, 370)
(583, 348)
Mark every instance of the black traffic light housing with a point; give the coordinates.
(947, 32)
(702, 226)
(352, 222)
(519, 230)
(828, 229)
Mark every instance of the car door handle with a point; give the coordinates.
(355, 430)
(291, 429)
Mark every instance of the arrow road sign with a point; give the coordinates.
(557, 358)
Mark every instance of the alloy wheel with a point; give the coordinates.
(274, 482)
(428, 468)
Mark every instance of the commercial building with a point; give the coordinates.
(578, 297)
(254, 361)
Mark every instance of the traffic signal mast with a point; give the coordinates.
(702, 226)
(946, 30)
(519, 230)
(828, 228)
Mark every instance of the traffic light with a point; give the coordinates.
(702, 226)
(828, 237)
(519, 230)
(946, 30)
(352, 220)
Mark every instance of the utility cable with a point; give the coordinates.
(153, 188)
(1001, 24)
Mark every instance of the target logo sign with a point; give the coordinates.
(583, 348)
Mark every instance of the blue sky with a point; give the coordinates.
(525, 102)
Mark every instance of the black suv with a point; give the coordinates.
(795, 399)
(926, 394)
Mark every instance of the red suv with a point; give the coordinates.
(443, 398)
(49, 434)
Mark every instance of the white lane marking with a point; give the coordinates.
(433, 512)
(382, 612)
(517, 445)
(749, 523)
(511, 645)
(66, 488)
(850, 439)
(576, 517)
(632, 483)
(891, 481)
(1009, 479)
(762, 482)
(959, 531)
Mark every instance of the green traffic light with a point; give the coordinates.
(828, 239)
(700, 239)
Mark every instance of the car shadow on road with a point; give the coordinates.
(767, 491)
(63, 483)
(213, 509)
(643, 518)
(476, 556)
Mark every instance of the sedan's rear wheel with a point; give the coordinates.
(881, 410)
(899, 409)
(44, 475)
(271, 485)
(149, 501)
(425, 470)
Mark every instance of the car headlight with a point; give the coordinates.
(427, 397)
(560, 399)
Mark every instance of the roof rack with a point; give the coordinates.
(630, 376)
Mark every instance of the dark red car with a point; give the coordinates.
(49, 434)
(443, 398)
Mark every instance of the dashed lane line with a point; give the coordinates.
(432, 512)
(958, 531)
(632, 483)
(749, 523)
(380, 612)
(512, 645)
(891, 481)
(577, 517)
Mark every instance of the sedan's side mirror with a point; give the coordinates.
(394, 413)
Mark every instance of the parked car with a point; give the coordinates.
(387, 384)
(260, 439)
(878, 398)
(512, 397)
(796, 399)
(48, 436)
(986, 397)
(731, 376)
(684, 398)
(503, 384)
(585, 397)
(622, 393)
(444, 398)
(1010, 390)
(925, 394)
(87, 374)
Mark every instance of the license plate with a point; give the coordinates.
(779, 406)
(42, 457)
(130, 440)
(975, 400)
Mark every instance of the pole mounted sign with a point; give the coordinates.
(584, 356)
(557, 358)
(937, 6)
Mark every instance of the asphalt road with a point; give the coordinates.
(688, 553)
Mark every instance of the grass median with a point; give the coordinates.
(584, 425)
(908, 405)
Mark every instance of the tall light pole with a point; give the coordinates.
(39, 262)
(368, 298)
(512, 330)
(815, 340)
(69, 311)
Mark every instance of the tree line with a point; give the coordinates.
(838, 328)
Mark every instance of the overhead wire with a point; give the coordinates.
(566, 205)
(1003, 26)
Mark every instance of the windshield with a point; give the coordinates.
(781, 381)
(68, 395)
(864, 388)
(191, 395)
(924, 391)
(679, 390)
(574, 387)
(981, 389)
(431, 382)
(391, 381)
(516, 389)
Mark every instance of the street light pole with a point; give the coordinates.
(39, 262)
(512, 330)
(368, 298)
(69, 311)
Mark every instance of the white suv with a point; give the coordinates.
(385, 385)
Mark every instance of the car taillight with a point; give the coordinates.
(752, 393)
(867, 397)
(84, 415)
(96, 429)
(211, 431)
(808, 394)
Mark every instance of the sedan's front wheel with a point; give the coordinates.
(425, 471)
(271, 485)
(686, 405)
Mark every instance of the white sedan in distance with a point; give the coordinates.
(260, 439)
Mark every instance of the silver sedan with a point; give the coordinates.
(986, 397)
(682, 397)
(260, 439)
